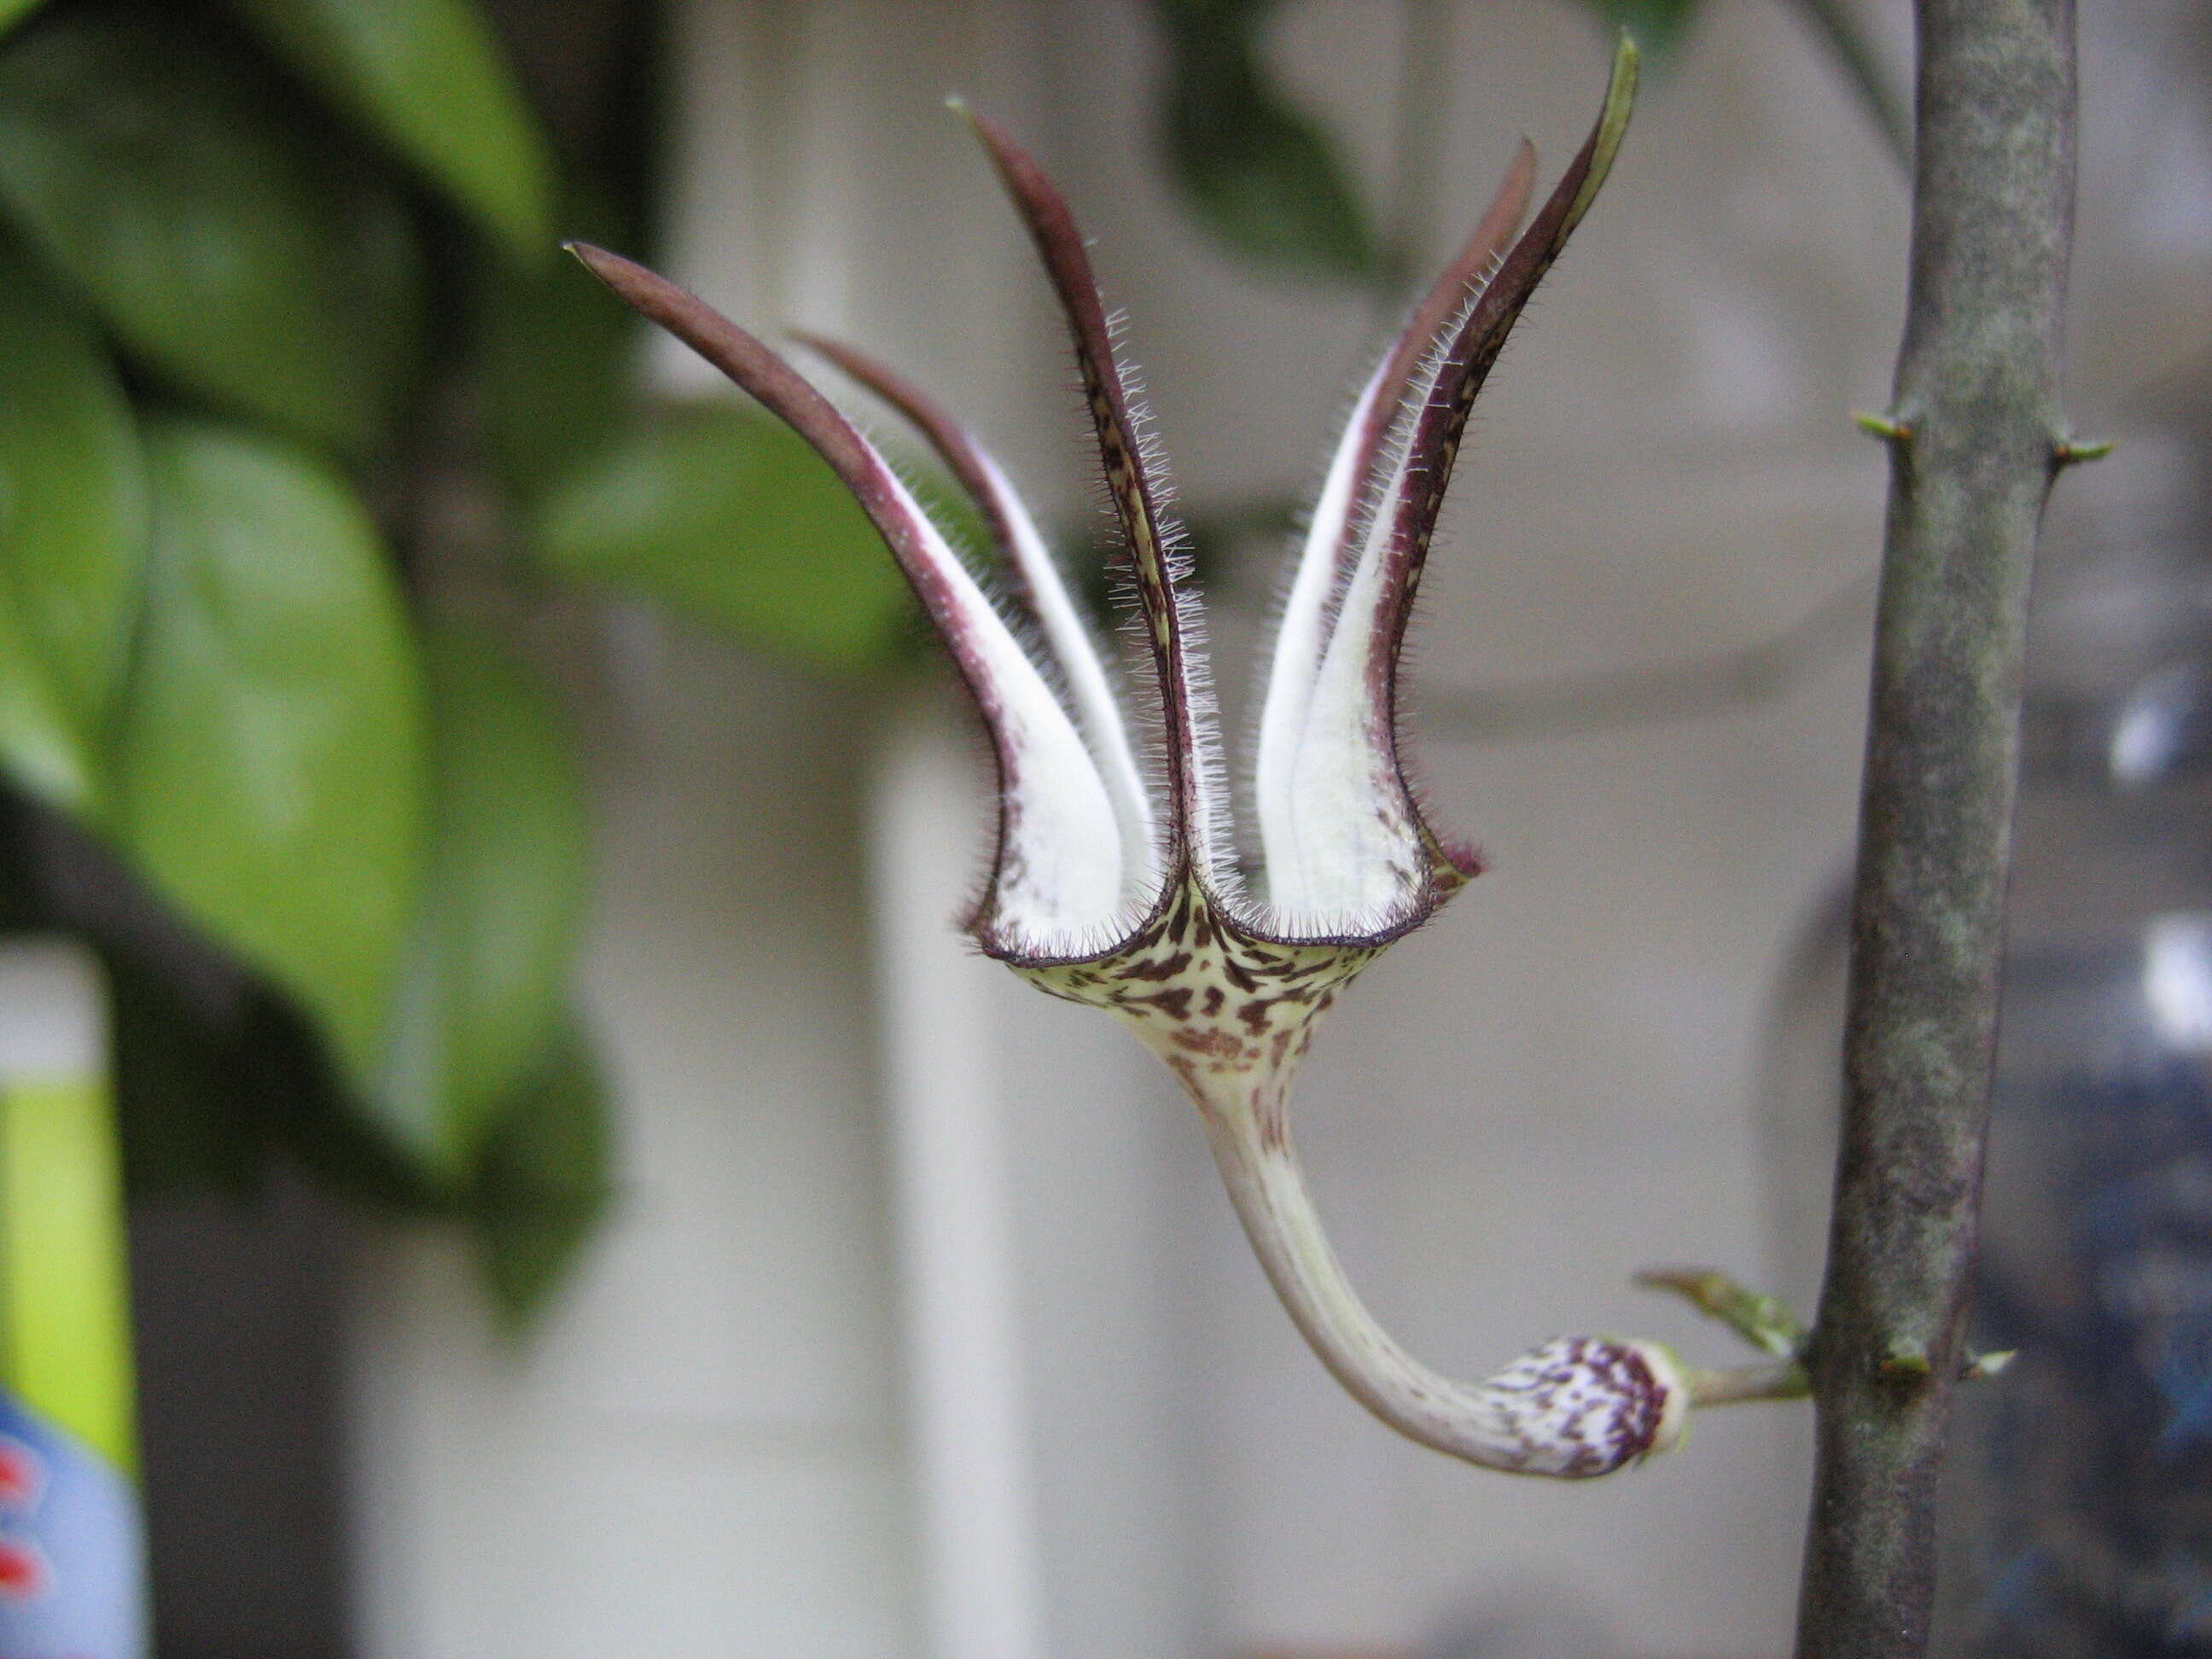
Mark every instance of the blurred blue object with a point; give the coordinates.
(72, 1573)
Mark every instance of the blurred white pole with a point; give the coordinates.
(968, 1411)
(52, 1011)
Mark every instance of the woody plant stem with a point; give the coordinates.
(1976, 439)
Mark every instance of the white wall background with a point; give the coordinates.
(739, 1435)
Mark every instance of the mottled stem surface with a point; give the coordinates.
(1978, 437)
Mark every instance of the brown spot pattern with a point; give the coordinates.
(1206, 996)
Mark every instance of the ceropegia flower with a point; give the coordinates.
(1115, 884)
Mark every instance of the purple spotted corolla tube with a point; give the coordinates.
(1115, 884)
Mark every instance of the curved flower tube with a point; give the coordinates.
(1117, 888)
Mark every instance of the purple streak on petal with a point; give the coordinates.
(1029, 565)
(959, 453)
(759, 372)
(1354, 490)
(1059, 242)
(1434, 443)
(1361, 856)
(1406, 371)
(1474, 348)
(1056, 886)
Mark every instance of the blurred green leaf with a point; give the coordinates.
(254, 267)
(486, 972)
(1260, 176)
(269, 780)
(429, 78)
(1660, 27)
(214, 1093)
(555, 357)
(544, 1179)
(1266, 184)
(727, 516)
(72, 539)
(13, 12)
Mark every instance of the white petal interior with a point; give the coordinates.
(1062, 883)
(1343, 852)
(1097, 711)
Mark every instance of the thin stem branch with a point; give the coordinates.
(1734, 1385)
(1979, 439)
